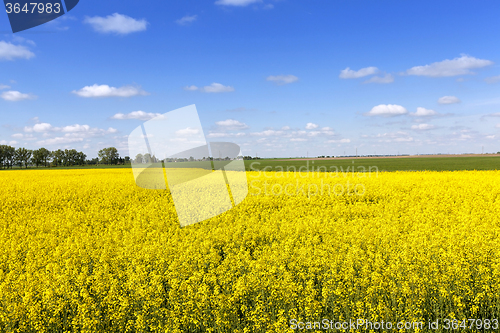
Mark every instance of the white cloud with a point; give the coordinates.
(141, 115)
(492, 79)
(327, 131)
(351, 74)
(423, 112)
(188, 131)
(388, 78)
(104, 90)
(339, 141)
(409, 139)
(454, 67)
(399, 136)
(388, 110)
(59, 140)
(9, 51)
(3, 86)
(222, 135)
(216, 88)
(497, 125)
(19, 39)
(496, 114)
(72, 131)
(232, 124)
(240, 3)
(422, 127)
(298, 139)
(76, 128)
(186, 20)
(10, 143)
(15, 96)
(25, 137)
(59, 23)
(213, 88)
(311, 126)
(448, 100)
(313, 131)
(322, 132)
(116, 23)
(268, 133)
(39, 128)
(217, 135)
(84, 131)
(282, 79)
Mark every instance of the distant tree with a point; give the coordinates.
(7, 156)
(147, 158)
(64, 157)
(126, 160)
(37, 157)
(80, 158)
(17, 160)
(93, 161)
(46, 155)
(138, 158)
(58, 157)
(22, 156)
(70, 157)
(3, 149)
(109, 155)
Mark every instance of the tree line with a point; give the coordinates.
(147, 158)
(22, 157)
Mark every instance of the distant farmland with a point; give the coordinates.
(393, 163)
(452, 163)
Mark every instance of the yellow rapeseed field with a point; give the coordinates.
(89, 251)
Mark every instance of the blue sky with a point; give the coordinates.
(279, 77)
